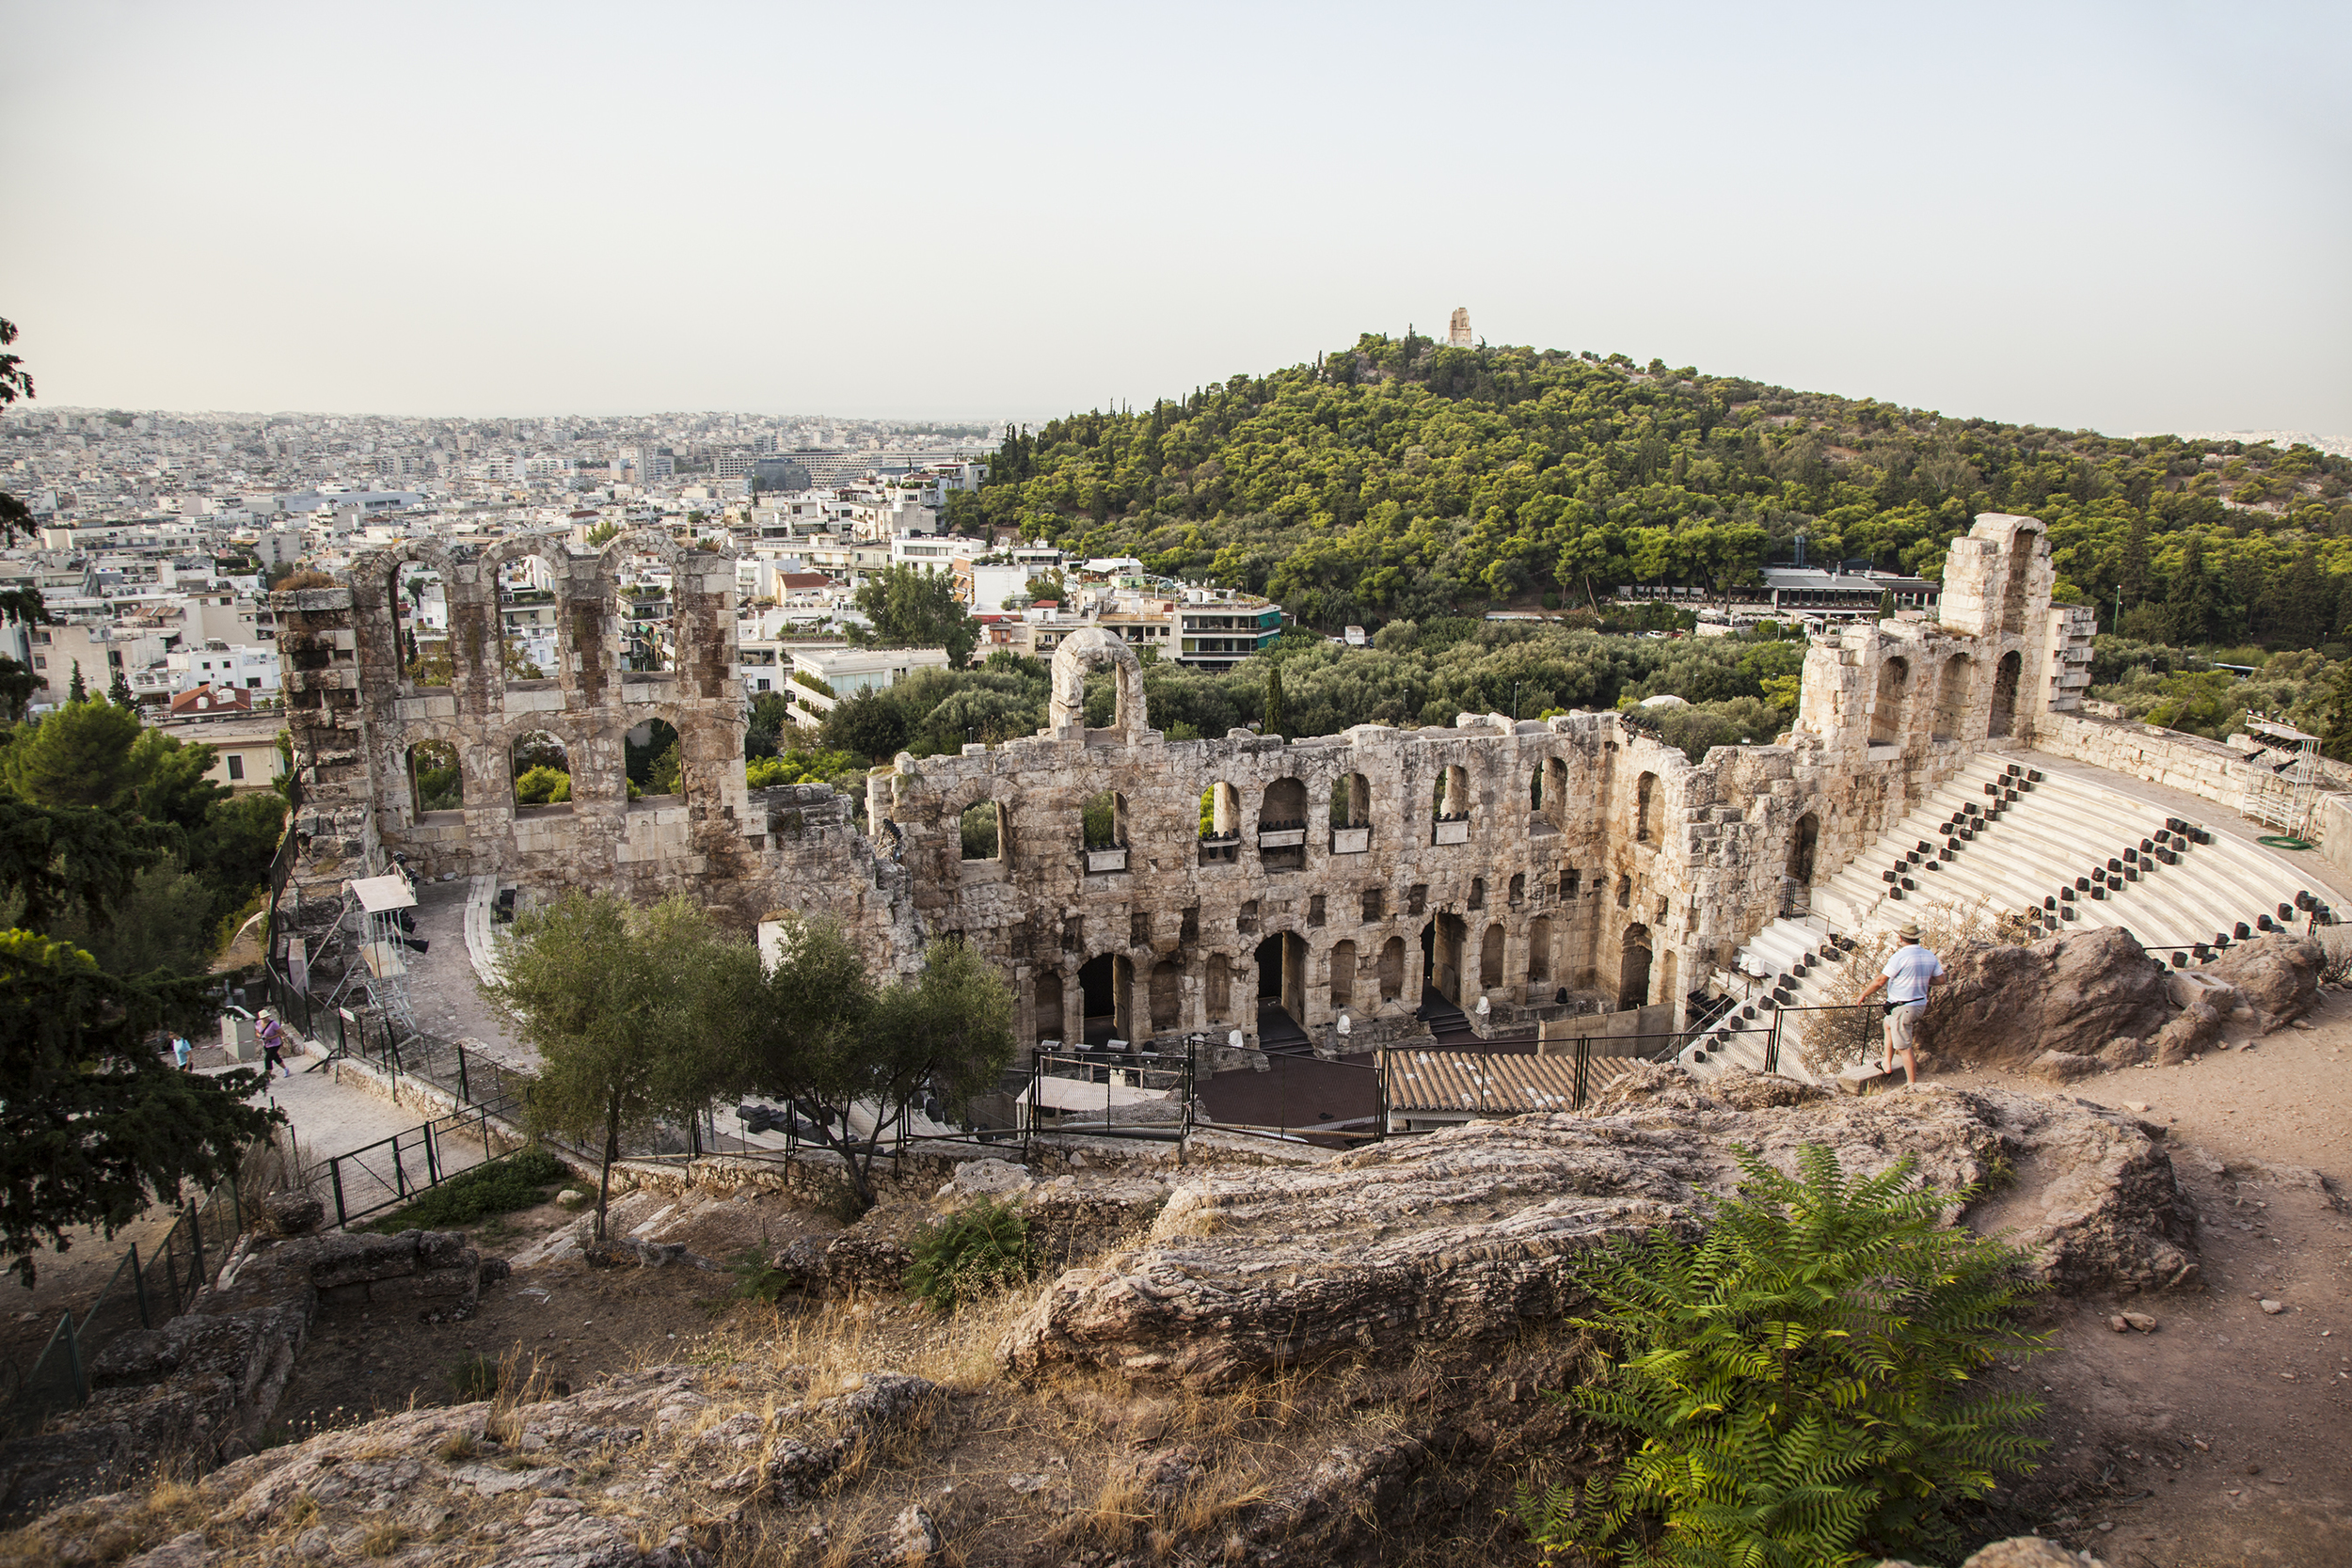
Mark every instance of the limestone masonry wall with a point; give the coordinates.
(1504, 860)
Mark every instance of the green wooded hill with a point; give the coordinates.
(1402, 479)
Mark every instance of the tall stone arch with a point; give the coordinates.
(1081, 653)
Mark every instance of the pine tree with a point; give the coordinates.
(76, 691)
(118, 692)
(2189, 606)
(2135, 578)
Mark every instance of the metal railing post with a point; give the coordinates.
(74, 1358)
(432, 1163)
(196, 1239)
(465, 1090)
(139, 1287)
(335, 1175)
(1772, 1045)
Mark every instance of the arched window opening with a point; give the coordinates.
(1491, 958)
(651, 757)
(1518, 887)
(1445, 957)
(527, 613)
(1045, 1015)
(1217, 990)
(1282, 826)
(1351, 801)
(542, 770)
(1804, 843)
(1477, 899)
(1351, 814)
(2005, 678)
(424, 655)
(1220, 824)
(1108, 983)
(1539, 948)
(1886, 710)
(1450, 806)
(2020, 552)
(1951, 696)
(1535, 790)
(1633, 968)
(1282, 992)
(1103, 823)
(981, 831)
(1343, 974)
(1624, 892)
(1166, 993)
(1645, 809)
(436, 778)
(1392, 969)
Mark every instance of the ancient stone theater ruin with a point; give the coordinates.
(1521, 871)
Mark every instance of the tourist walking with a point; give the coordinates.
(1910, 974)
(182, 1052)
(272, 1042)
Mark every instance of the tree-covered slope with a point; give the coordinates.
(1401, 477)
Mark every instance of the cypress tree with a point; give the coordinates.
(76, 691)
(1276, 722)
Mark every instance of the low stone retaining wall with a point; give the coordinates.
(2190, 763)
(198, 1389)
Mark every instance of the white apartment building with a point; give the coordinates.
(851, 670)
(210, 663)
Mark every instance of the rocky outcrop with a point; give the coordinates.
(531, 1482)
(200, 1387)
(2276, 976)
(1068, 1217)
(2073, 993)
(1470, 1232)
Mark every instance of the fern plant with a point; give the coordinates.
(968, 1253)
(1798, 1378)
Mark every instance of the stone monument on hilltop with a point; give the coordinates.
(1457, 332)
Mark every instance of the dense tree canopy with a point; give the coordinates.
(1400, 478)
(911, 608)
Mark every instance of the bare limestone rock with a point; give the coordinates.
(2023, 1551)
(294, 1214)
(2061, 1066)
(2073, 993)
(2278, 975)
(1470, 1232)
(200, 1387)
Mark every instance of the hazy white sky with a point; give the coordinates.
(2126, 216)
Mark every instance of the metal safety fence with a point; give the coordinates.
(144, 1290)
(390, 1172)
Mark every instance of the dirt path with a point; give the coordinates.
(2225, 1436)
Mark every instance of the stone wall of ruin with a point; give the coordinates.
(1576, 853)
(356, 718)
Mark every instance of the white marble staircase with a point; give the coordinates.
(2007, 836)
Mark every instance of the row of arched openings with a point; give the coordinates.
(539, 769)
(1955, 681)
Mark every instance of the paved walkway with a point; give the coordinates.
(444, 988)
(331, 1117)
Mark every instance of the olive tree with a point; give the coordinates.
(852, 1058)
(617, 1001)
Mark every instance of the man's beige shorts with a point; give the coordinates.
(1902, 1023)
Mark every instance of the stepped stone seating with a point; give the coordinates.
(2004, 837)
